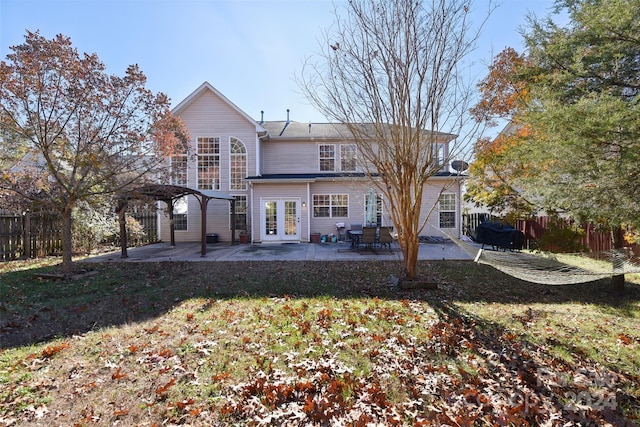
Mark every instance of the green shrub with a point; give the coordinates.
(561, 237)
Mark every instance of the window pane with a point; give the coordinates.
(339, 211)
(321, 205)
(447, 202)
(447, 220)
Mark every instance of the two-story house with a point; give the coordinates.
(289, 179)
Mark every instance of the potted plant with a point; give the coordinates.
(315, 237)
(245, 237)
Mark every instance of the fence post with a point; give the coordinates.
(26, 233)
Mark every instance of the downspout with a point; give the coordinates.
(259, 151)
(252, 236)
(308, 211)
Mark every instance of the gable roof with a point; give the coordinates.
(207, 86)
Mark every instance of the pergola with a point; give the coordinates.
(168, 194)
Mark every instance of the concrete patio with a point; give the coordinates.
(339, 251)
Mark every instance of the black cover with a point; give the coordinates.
(499, 235)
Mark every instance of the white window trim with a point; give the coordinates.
(330, 204)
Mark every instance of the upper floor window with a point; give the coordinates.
(348, 157)
(208, 153)
(179, 170)
(438, 154)
(238, 165)
(327, 157)
(330, 205)
(447, 210)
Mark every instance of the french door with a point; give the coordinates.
(280, 220)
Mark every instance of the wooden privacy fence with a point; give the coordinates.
(38, 234)
(149, 223)
(533, 229)
(34, 234)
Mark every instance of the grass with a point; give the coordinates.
(312, 343)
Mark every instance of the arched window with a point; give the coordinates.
(238, 165)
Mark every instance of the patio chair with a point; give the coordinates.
(341, 231)
(385, 238)
(368, 237)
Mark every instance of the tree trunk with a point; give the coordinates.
(122, 221)
(617, 281)
(410, 247)
(66, 240)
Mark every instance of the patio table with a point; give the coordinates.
(354, 236)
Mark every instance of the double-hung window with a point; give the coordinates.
(348, 157)
(180, 213)
(327, 157)
(330, 205)
(241, 212)
(447, 210)
(208, 163)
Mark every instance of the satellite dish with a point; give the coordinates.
(459, 165)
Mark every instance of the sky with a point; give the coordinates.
(249, 50)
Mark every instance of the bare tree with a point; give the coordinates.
(90, 134)
(393, 72)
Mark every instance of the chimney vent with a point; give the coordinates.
(261, 116)
(288, 116)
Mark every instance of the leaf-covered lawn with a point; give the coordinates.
(310, 343)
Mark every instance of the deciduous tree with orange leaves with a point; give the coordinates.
(497, 165)
(89, 133)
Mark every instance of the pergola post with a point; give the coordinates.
(233, 221)
(203, 225)
(172, 230)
